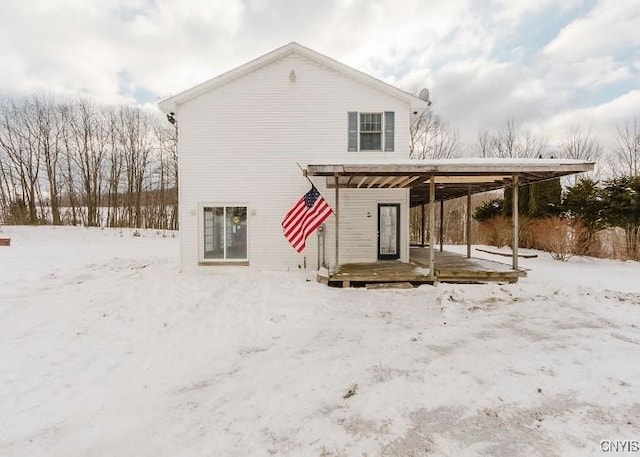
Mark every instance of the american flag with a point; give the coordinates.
(304, 218)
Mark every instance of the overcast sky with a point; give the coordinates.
(551, 64)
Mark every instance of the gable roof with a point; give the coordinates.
(169, 104)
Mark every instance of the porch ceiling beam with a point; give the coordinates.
(398, 180)
(469, 179)
(386, 181)
(362, 180)
(373, 181)
(537, 175)
(411, 180)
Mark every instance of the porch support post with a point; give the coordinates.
(468, 230)
(514, 217)
(441, 223)
(422, 225)
(432, 225)
(337, 182)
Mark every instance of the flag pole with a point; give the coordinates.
(304, 173)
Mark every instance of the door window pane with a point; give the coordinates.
(388, 230)
(236, 232)
(214, 233)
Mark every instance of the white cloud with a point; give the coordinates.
(589, 73)
(475, 57)
(602, 119)
(612, 26)
(514, 11)
(481, 94)
(59, 46)
(85, 47)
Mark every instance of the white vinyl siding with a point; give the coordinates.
(359, 223)
(302, 121)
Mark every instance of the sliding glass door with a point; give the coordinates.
(225, 233)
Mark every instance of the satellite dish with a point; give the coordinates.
(424, 95)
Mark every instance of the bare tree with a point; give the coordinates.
(627, 149)
(114, 171)
(49, 136)
(167, 140)
(581, 145)
(533, 144)
(433, 138)
(77, 162)
(511, 141)
(135, 140)
(505, 142)
(68, 169)
(19, 140)
(484, 144)
(88, 145)
(6, 185)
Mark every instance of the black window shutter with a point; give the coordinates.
(353, 131)
(389, 121)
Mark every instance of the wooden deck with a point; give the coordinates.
(449, 267)
(452, 267)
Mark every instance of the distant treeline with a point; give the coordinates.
(77, 162)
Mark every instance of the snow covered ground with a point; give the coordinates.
(107, 350)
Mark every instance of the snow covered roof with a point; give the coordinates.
(170, 104)
(453, 177)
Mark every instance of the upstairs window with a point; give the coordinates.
(371, 131)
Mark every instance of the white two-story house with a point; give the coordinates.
(243, 138)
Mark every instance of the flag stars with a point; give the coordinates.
(311, 197)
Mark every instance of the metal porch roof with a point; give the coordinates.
(453, 177)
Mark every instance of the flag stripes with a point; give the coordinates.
(304, 218)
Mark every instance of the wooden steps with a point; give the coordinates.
(389, 271)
